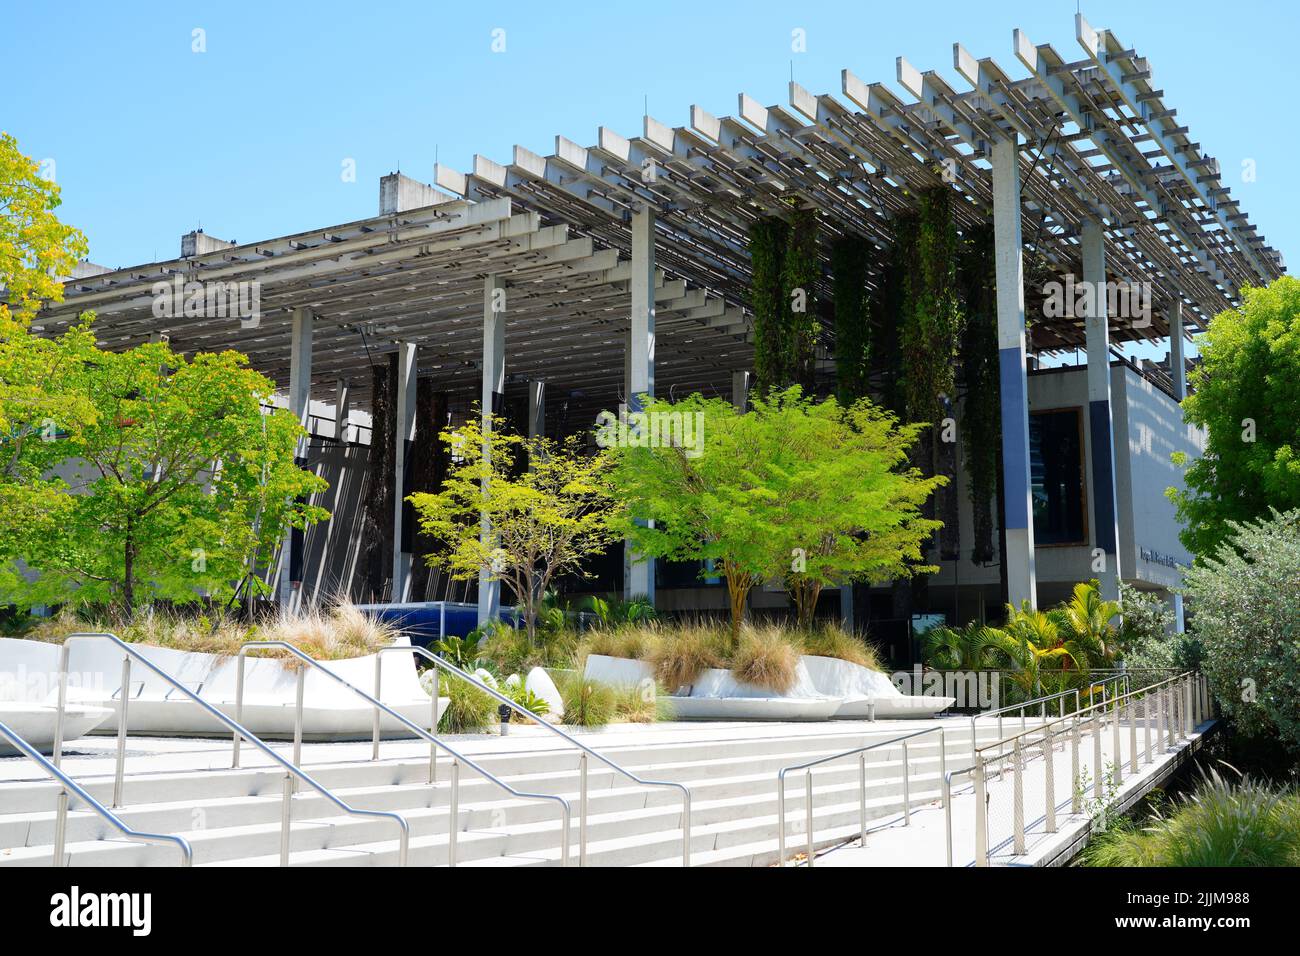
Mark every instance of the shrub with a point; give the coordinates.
(511, 652)
(1247, 603)
(636, 642)
(469, 710)
(766, 657)
(1221, 824)
(831, 640)
(587, 703)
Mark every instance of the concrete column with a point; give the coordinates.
(1105, 508)
(740, 390)
(300, 405)
(536, 410)
(1178, 372)
(1177, 357)
(1009, 264)
(491, 398)
(342, 411)
(639, 573)
(404, 412)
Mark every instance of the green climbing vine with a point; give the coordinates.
(767, 242)
(850, 255)
(981, 424)
(932, 317)
(799, 274)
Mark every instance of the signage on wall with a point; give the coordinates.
(1159, 557)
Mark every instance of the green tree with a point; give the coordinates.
(852, 505)
(792, 488)
(1247, 398)
(38, 400)
(177, 486)
(545, 520)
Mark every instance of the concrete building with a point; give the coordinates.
(551, 287)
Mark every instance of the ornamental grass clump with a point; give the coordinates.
(684, 652)
(831, 640)
(766, 656)
(1220, 824)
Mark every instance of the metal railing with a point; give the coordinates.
(291, 769)
(451, 669)
(1177, 704)
(1042, 702)
(457, 758)
(61, 816)
(861, 754)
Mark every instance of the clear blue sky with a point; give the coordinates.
(247, 139)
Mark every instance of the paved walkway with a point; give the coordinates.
(923, 842)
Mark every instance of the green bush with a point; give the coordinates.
(587, 703)
(469, 710)
(1247, 616)
(1221, 824)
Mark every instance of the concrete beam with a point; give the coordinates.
(1177, 355)
(1009, 265)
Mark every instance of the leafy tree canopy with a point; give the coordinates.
(1247, 397)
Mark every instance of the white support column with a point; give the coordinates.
(1009, 264)
(1177, 356)
(639, 573)
(493, 392)
(300, 404)
(1177, 372)
(1105, 508)
(404, 429)
(536, 409)
(342, 411)
(740, 390)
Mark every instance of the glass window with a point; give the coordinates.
(1056, 474)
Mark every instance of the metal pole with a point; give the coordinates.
(582, 817)
(808, 812)
(454, 812)
(1132, 735)
(981, 814)
(297, 718)
(433, 731)
(907, 789)
(1018, 798)
(686, 827)
(780, 821)
(1074, 764)
(1146, 720)
(374, 720)
(947, 816)
(943, 755)
(286, 812)
(57, 755)
(1190, 726)
(862, 796)
(1049, 782)
(1096, 753)
(1170, 718)
(60, 827)
(120, 771)
(239, 706)
(1117, 757)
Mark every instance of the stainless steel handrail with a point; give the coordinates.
(457, 757)
(1041, 703)
(60, 827)
(582, 766)
(1181, 698)
(861, 754)
(291, 770)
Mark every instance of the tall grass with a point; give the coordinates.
(831, 640)
(333, 632)
(1219, 824)
(766, 656)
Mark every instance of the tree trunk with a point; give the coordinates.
(128, 570)
(805, 593)
(737, 591)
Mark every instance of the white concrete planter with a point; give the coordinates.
(866, 693)
(330, 710)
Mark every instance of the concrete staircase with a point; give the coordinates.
(232, 817)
